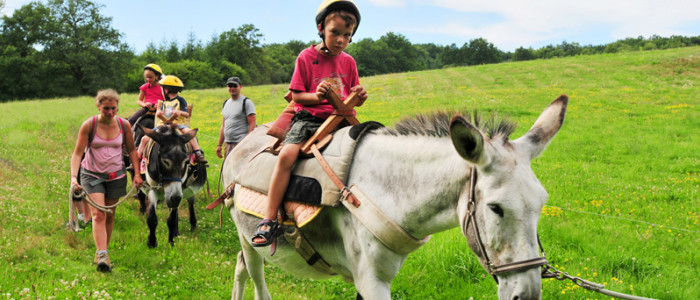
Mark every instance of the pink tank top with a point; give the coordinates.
(104, 156)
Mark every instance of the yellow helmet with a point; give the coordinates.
(333, 5)
(172, 82)
(155, 68)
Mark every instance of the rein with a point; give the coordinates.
(73, 223)
(547, 270)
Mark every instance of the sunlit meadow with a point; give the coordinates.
(622, 177)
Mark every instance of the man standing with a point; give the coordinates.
(238, 117)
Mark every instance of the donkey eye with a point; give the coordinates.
(496, 209)
(167, 163)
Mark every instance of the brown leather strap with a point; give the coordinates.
(227, 193)
(345, 192)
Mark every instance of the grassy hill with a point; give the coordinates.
(622, 175)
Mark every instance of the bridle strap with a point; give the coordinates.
(171, 179)
(525, 264)
(490, 267)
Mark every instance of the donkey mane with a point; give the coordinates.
(437, 124)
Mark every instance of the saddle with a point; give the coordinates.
(309, 182)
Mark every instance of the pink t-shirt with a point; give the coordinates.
(104, 156)
(153, 93)
(340, 69)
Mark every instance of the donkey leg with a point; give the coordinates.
(240, 277)
(142, 202)
(193, 217)
(255, 265)
(372, 288)
(152, 220)
(173, 231)
(373, 268)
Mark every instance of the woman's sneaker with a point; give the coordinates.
(103, 263)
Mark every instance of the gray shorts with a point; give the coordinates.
(111, 189)
(303, 127)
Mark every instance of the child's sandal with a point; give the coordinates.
(269, 235)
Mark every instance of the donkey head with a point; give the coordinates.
(172, 159)
(509, 198)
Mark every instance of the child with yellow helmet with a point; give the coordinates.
(176, 106)
(318, 69)
(150, 92)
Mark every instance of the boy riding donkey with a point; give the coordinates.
(318, 69)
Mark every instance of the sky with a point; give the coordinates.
(508, 24)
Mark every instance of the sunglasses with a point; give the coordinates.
(232, 85)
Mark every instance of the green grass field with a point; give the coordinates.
(622, 176)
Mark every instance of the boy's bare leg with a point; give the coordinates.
(279, 181)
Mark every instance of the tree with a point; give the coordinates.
(482, 52)
(20, 61)
(453, 56)
(193, 49)
(523, 54)
(368, 56)
(84, 47)
(399, 54)
(240, 46)
(429, 56)
(67, 46)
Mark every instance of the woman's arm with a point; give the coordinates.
(78, 151)
(133, 155)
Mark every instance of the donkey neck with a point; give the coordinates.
(415, 180)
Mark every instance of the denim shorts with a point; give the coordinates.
(111, 189)
(303, 127)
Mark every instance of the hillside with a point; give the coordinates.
(622, 177)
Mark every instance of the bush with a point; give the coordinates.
(194, 74)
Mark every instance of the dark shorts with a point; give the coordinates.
(303, 127)
(112, 189)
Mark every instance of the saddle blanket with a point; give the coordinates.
(309, 183)
(254, 203)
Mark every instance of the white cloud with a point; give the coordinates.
(527, 22)
(11, 6)
(388, 3)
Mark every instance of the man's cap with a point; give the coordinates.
(235, 80)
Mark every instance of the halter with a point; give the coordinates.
(490, 267)
(170, 179)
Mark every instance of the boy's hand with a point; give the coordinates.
(159, 113)
(361, 92)
(322, 89)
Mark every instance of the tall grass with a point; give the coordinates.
(622, 177)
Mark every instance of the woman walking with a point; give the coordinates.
(102, 173)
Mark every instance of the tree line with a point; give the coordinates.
(67, 48)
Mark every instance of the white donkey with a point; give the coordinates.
(419, 174)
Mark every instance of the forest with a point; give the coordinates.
(68, 48)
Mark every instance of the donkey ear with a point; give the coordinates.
(546, 127)
(150, 133)
(184, 138)
(469, 141)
